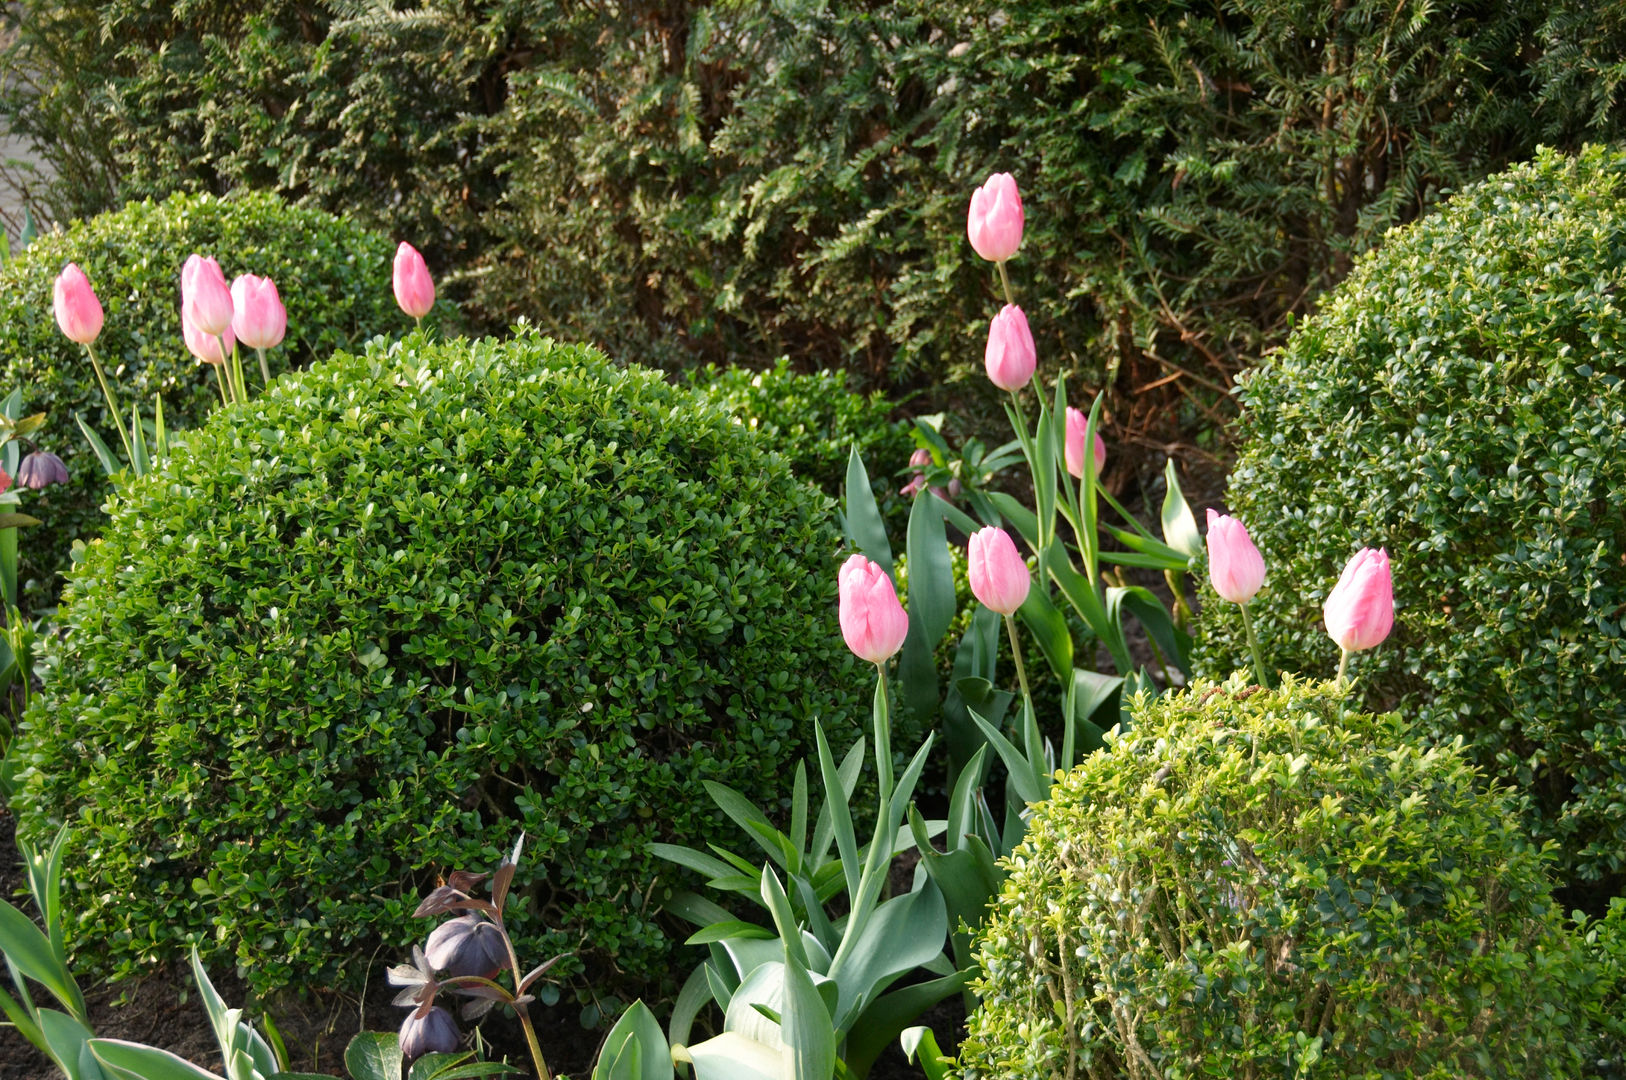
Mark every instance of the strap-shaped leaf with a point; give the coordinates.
(841, 822)
(1022, 772)
(862, 519)
(133, 1061)
(29, 950)
(635, 1048)
(109, 463)
(1049, 631)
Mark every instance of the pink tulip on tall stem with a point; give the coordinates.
(1000, 581)
(1360, 610)
(258, 317)
(79, 316)
(1237, 571)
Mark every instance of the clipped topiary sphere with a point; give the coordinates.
(1459, 400)
(404, 606)
(1248, 883)
(333, 277)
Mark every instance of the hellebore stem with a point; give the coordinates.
(265, 369)
(1005, 280)
(1016, 651)
(107, 392)
(1253, 644)
(521, 1009)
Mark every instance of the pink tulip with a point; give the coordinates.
(999, 577)
(259, 320)
(414, 288)
(1360, 610)
(1010, 356)
(994, 223)
(206, 347)
(1077, 426)
(205, 299)
(1234, 564)
(872, 620)
(917, 483)
(78, 312)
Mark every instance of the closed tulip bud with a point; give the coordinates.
(78, 312)
(468, 945)
(1360, 610)
(1234, 564)
(205, 347)
(872, 621)
(999, 577)
(1077, 427)
(258, 318)
(1010, 356)
(41, 469)
(994, 223)
(414, 288)
(205, 299)
(432, 1032)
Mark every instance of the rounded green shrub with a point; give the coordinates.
(402, 607)
(1253, 883)
(1460, 401)
(333, 276)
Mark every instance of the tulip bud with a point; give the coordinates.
(1010, 356)
(999, 577)
(205, 299)
(1077, 426)
(872, 621)
(428, 1031)
(1360, 610)
(468, 945)
(78, 312)
(994, 223)
(414, 288)
(205, 347)
(258, 318)
(1234, 564)
(41, 469)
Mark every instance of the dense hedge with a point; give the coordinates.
(1460, 400)
(333, 276)
(708, 181)
(1265, 884)
(397, 610)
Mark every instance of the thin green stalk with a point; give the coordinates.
(265, 368)
(1004, 279)
(225, 394)
(1016, 651)
(520, 1009)
(883, 739)
(1253, 644)
(1343, 665)
(112, 406)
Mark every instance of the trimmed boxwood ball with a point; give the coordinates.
(1253, 883)
(402, 607)
(1459, 400)
(333, 277)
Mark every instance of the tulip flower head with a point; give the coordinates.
(1234, 563)
(1077, 427)
(1010, 356)
(414, 288)
(1360, 610)
(872, 621)
(78, 312)
(206, 347)
(994, 222)
(999, 578)
(205, 299)
(258, 318)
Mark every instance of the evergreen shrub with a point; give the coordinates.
(398, 609)
(1256, 883)
(333, 276)
(1459, 400)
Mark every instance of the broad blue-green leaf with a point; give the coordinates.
(840, 819)
(904, 933)
(862, 520)
(133, 1061)
(1023, 773)
(805, 1027)
(886, 1017)
(690, 1000)
(920, 1042)
(1179, 524)
(731, 1056)
(1048, 630)
(232, 1034)
(67, 1038)
(109, 463)
(639, 1032)
(30, 951)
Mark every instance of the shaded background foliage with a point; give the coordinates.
(686, 182)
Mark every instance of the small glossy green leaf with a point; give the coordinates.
(374, 1055)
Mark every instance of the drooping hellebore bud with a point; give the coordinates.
(994, 222)
(917, 483)
(41, 469)
(872, 621)
(1234, 564)
(258, 318)
(999, 577)
(78, 312)
(1077, 427)
(205, 299)
(205, 347)
(433, 1032)
(414, 288)
(1010, 356)
(1360, 610)
(467, 945)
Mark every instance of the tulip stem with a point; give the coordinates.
(225, 394)
(1343, 665)
(883, 739)
(1253, 645)
(265, 369)
(112, 406)
(1016, 651)
(1004, 279)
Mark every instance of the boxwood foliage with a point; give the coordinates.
(402, 608)
(333, 276)
(1261, 884)
(1460, 400)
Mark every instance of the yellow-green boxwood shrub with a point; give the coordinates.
(368, 628)
(333, 276)
(1459, 400)
(1256, 884)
